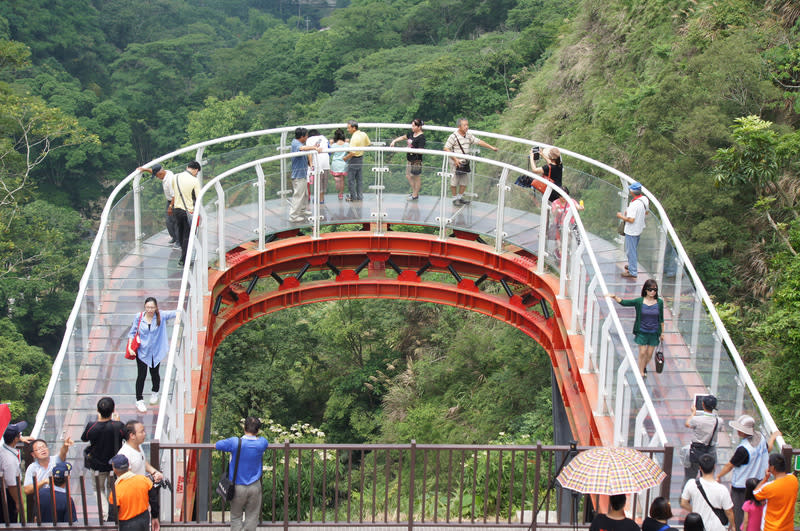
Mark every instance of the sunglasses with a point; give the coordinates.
(651, 289)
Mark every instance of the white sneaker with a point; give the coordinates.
(141, 407)
(154, 399)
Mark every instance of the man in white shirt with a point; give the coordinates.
(692, 498)
(634, 226)
(138, 464)
(459, 143)
(10, 467)
(167, 179)
(323, 161)
(38, 473)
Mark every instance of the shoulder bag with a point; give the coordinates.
(225, 487)
(723, 518)
(699, 449)
(463, 167)
(134, 343)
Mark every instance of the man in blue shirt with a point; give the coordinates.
(64, 506)
(247, 496)
(300, 175)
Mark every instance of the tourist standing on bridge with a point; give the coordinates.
(355, 161)
(615, 520)
(139, 465)
(338, 164)
(750, 460)
(705, 494)
(780, 494)
(37, 475)
(552, 171)
(248, 453)
(414, 139)
(167, 179)
(151, 325)
(460, 142)
(132, 496)
(187, 190)
(634, 226)
(105, 436)
(323, 161)
(300, 167)
(649, 322)
(705, 426)
(10, 467)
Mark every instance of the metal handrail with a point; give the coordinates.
(198, 150)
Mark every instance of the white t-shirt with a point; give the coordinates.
(636, 210)
(323, 157)
(717, 494)
(136, 459)
(166, 184)
(42, 473)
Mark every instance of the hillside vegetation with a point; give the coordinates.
(696, 98)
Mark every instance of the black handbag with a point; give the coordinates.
(225, 487)
(660, 359)
(723, 518)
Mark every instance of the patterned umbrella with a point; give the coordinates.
(611, 470)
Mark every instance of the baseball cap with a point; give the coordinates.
(12, 430)
(120, 462)
(61, 470)
(635, 186)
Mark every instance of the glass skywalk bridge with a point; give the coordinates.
(245, 202)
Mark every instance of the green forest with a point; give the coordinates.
(698, 99)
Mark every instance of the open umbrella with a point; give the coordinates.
(611, 470)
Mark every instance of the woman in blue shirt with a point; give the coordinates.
(152, 327)
(649, 324)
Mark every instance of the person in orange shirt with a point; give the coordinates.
(131, 496)
(780, 493)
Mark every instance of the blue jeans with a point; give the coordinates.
(631, 250)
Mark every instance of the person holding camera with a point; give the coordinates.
(705, 427)
(459, 143)
(552, 170)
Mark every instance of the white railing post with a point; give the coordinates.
(223, 265)
(260, 200)
(502, 188)
(543, 221)
(442, 218)
(137, 210)
(715, 363)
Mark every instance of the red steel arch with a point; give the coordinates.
(231, 304)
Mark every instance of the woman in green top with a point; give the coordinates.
(649, 324)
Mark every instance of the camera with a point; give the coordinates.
(164, 483)
(535, 152)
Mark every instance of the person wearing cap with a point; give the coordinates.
(38, 473)
(705, 426)
(64, 505)
(749, 460)
(634, 226)
(10, 468)
(780, 494)
(131, 495)
(186, 191)
(167, 179)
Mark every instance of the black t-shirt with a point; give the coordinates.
(651, 524)
(602, 522)
(417, 142)
(105, 440)
(554, 172)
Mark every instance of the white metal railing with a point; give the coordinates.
(584, 284)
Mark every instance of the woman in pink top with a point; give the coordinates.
(753, 509)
